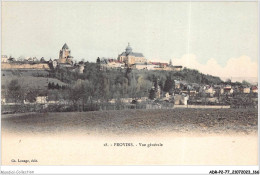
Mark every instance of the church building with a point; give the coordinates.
(130, 58)
(64, 56)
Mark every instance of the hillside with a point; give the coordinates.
(188, 75)
(30, 81)
(97, 84)
(194, 76)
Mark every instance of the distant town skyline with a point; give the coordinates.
(218, 38)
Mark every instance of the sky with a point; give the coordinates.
(218, 38)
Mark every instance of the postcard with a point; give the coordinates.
(129, 83)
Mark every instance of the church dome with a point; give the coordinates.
(128, 48)
(65, 46)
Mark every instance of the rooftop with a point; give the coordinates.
(65, 46)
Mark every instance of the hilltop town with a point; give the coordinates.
(129, 82)
(127, 59)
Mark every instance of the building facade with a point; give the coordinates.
(4, 59)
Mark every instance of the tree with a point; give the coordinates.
(168, 85)
(246, 83)
(228, 81)
(98, 65)
(98, 60)
(155, 81)
(15, 91)
(128, 75)
(125, 87)
(49, 85)
(31, 95)
(52, 85)
(57, 86)
(106, 84)
(42, 60)
(152, 94)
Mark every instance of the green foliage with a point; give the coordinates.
(246, 83)
(152, 94)
(115, 84)
(169, 85)
(14, 91)
(31, 95)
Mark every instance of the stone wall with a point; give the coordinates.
(40, 66)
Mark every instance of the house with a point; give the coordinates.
(35, 59)
(4, 58)
(126, 100)
(3, 101)
(254, 89)
(79, 68)
(181, 99)
(144, 66)
(150, 66)
(210, 91)
(54, 63)
(159, 64)
(140, 66)
(41, 99)
(144, 98)
(29, 59)
(167, 96)
(110, 63)
(192, 92)
(245, 90)
(176, 68)
(228, 89)
(219, 89)
(212, 100)
(177, 84)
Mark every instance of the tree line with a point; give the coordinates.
(96, 84)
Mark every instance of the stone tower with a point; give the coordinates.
(64, 56)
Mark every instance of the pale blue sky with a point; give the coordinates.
(160, 30)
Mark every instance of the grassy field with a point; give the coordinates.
(31, 82)
(186, 136)
(135, 121)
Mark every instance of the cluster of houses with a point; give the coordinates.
(209, 93)
(127, 59)
(111, 63)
